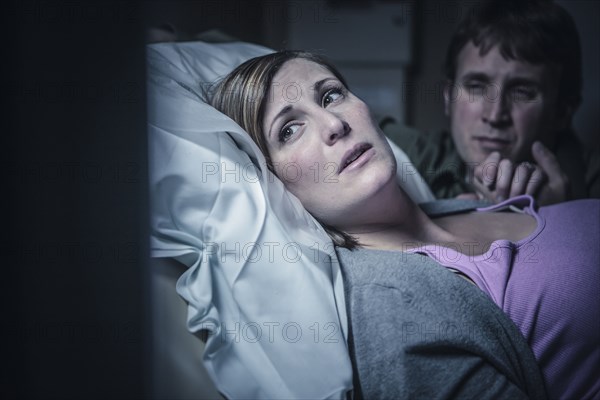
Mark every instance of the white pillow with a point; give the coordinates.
(263, 277)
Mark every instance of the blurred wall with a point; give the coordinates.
(587, 17)
(435, 20)
(241, 19)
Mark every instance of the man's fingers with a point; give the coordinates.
(547, 161)
(558, 182)
(521, 178)
(482, 191)
(504, 179)
(535, 182)
(487, 171)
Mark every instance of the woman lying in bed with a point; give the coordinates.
(541, 266)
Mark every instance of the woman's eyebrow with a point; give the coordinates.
(280, 114)
(319, 84)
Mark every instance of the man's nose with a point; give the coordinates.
(496, 111)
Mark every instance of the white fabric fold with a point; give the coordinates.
(262, 276)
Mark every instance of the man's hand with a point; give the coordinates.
(497, 179)
(557, 187)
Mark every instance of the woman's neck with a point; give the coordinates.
(400, 224)
(396, 222)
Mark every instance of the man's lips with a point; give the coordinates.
(354, 154)
(492, 143)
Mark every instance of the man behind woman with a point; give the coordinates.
(513, 84)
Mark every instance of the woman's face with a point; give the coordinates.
(323, 143)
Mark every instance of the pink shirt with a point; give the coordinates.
(549, 285)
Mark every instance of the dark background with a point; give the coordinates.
(75, 197)
(75, 303)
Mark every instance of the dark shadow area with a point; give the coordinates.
(75, 197)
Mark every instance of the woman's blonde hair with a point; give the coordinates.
(242, 95)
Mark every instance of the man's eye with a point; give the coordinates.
(287, 131)
(523, 94)
(475, 87)
(331, 96)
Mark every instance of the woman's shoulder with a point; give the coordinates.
(576, 204)
(577, 215)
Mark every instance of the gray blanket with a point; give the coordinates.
(419, 331)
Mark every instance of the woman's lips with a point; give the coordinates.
(356, 157)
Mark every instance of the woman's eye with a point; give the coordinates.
(331, 96)
(287, 131)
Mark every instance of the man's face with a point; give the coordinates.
(502, 105)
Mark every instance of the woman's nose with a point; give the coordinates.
(334, 127)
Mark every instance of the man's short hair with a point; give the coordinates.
(534, 31)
